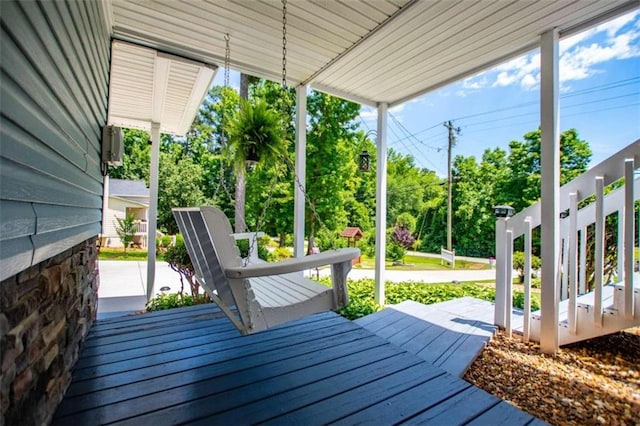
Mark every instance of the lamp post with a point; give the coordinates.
(502, 213)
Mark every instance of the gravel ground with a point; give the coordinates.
(596, 382)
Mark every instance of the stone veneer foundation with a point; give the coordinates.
(45, 314)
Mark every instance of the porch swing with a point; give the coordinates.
(257, 295)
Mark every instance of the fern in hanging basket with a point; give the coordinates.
(255, 133)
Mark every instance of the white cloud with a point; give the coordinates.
(580, 54)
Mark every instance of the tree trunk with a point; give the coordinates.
(241, 181)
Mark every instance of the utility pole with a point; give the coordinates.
(453, 133)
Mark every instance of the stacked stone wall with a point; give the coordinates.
(45, 314)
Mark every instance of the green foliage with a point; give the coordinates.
(107, 253)
(178, 259)
(255, 129)
(395, 251)
(406, 220)
(169, 301)
(518, 301)
(518, 263)
(282, 253)
(136, 158)
(126, 229)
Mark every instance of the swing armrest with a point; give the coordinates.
(295, 264)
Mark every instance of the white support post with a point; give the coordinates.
(599, 257)
(526, 324)
(301, 170)
(509, 288)
(500, 308)
(153, 208)
(583, 261)
(381, 202)
(564, 277)
(628, 239)
(572, 270)
(620, 247)
(105, 204)
(550, 189)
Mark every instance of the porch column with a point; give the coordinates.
(153, 208)
(301, 170)
(550, 190)
(381, 201)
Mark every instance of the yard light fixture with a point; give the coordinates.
(503, 211)
(165, 289)
(364, 164)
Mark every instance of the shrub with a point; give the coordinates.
(395, 251)
(518, 263)
(169, 301)
(165, 241)
(282, 253)
(178, 259)
(362, 303)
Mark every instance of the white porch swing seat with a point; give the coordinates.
(258, 296)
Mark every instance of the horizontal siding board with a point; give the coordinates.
(47, 66)
(16, 147)
(15, 256)
(51, 243)
(51, 217)
(75, 66)
(17, 219)
(54, 72)
(21, 184)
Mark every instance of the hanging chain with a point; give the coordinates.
(284, 45)
(223, 121)
(227, 55)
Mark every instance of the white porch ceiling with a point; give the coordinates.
(147, 86)
(365, 50)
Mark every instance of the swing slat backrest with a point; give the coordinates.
(271, 293)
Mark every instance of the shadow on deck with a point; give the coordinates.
(190, 365)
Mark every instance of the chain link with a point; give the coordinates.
(227, 56)
(284, 45)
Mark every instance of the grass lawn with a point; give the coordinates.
(419, 263)
(118, 254)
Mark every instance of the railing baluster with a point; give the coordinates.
(501, 278)
(509, 287)
(620, 238)
(628, 238)
(564, 291)
(583, 260)
(572, 271)
(526, 324)
(599, 255)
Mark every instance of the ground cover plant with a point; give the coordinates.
(362, 303)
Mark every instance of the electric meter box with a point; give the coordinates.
(112, 145)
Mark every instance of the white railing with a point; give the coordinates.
(448, 256)
(573, 237)
(141, 227)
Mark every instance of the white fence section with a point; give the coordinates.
(448, 256)
(579, 318)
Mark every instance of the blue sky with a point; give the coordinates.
(600, 97)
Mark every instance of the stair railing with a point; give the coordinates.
(573, 235)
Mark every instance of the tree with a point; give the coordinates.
(136, 158)
(126, 229)
(180, 186)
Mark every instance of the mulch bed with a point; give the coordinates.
(595, 382)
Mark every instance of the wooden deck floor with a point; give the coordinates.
(449, 335)
(191, 366)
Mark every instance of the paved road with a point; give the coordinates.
(123, 284)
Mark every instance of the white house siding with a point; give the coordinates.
(55, 63)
